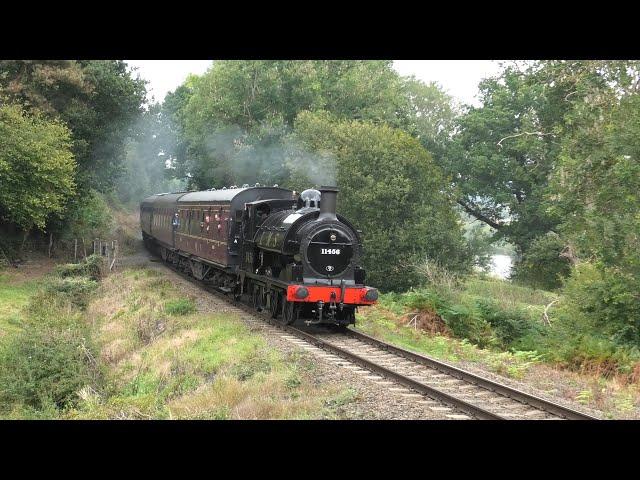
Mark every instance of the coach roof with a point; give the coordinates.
(228, 195)
(162, 199)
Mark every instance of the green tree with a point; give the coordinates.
(502, 156)
(102, 125)
(595, 190)
(172, 117)
(594, 187)
(98, 100)
(432, 116)
(36, 168)
(239, 112)
(392, 190)
(507, 152)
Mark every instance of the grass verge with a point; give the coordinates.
(133, 346)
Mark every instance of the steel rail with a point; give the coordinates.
(499, 388)
(457, 403)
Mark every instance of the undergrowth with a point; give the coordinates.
(513, 325)
(50, 354)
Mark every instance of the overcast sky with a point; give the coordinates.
(459, 78)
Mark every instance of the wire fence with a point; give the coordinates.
(108, 249)
(75, 250)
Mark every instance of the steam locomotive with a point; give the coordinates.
(288, 254)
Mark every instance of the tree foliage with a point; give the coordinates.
(36, 167)
(501, 157)
(552, 159)
(98, 100)
(432, 116)
(148, 158)
(529, 160)
(393, 191)
(237, 114)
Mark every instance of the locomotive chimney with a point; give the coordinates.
(328, 202)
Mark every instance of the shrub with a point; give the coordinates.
(608, 298)
(465, 322)
(423, 300)
(89, 218)
(57, 291)
(541, 265)
(510, 325)
(90, 267)
(595, 327)
(43, 367)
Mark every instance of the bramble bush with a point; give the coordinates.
(610, 298)
(44, 365)
(510, 325)
(596, 326)
(90, 267)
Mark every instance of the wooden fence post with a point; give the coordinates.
(115, 254)
(75, 250)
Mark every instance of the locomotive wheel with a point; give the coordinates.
(237, 296)
(257, 298)
(275, 304)
(290, 312)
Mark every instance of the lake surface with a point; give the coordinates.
(501, 265)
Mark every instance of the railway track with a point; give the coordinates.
(474, 396)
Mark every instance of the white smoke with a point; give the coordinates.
(237, 159)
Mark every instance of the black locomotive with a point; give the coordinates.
(292, 255)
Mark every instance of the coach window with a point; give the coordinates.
(207, 222)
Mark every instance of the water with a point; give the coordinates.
(501, 266)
